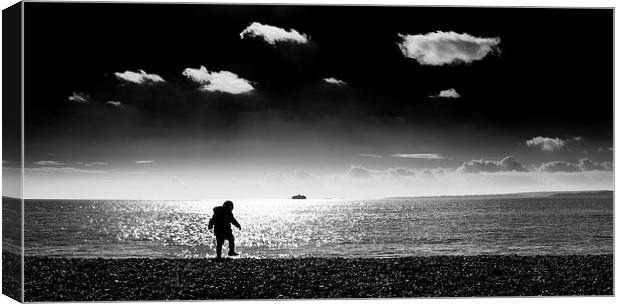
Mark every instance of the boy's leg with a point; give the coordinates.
(218, 246)
(231, 245)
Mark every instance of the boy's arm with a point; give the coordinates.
(211, 223)
(234, 221)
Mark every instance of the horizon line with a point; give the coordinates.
(319, 198)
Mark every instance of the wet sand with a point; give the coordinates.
(59, 279)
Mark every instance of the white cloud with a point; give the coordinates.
(48, 163)
(223, 81)
(334, 81)
(433, 171)
(401, 172)
(577, 138)
(272, 34)
(419, 155)
(114, 103)
(61, 170)
(449, 93)
(585, 164)
(276, 176)
(92, 164)
(370, 155)
(559, 166)
(440, 48)
(79, 97)
(507, 164)
(140, 77)
(545, 143)
(302, 174)
(359, 172)
(144, 161)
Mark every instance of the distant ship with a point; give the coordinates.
(299, 196)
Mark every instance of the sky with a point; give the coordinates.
(240, 101)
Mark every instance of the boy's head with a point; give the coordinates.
(229, 205)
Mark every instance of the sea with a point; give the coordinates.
(321, 228)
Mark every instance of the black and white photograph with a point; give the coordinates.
(203, 151)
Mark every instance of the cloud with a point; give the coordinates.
(359, 172)
(419, 155)
(507, 164)
(585, 164)
(223, 81)
(61, 170)
(79, 97)
(144, 161)
(440, 48)
(48, 163)
(276, 176)
(301, 174)
(449, 93)
(272, 34)
(114, 103)
(510, 163)
(401, 172)
(92, 164)
(545, 143)
(577, 138)
(433, 171)
(335, 81)
(370, 155)
(140, 77)
(559, 166)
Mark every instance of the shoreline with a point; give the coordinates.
(130, 279)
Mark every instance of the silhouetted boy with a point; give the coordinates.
(221, 220)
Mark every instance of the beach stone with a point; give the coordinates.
(56, 279)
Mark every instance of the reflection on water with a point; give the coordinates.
(288, 228)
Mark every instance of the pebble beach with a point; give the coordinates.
(130, 279)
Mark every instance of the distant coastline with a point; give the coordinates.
(542, 194)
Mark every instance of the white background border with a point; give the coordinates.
(516, 3)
